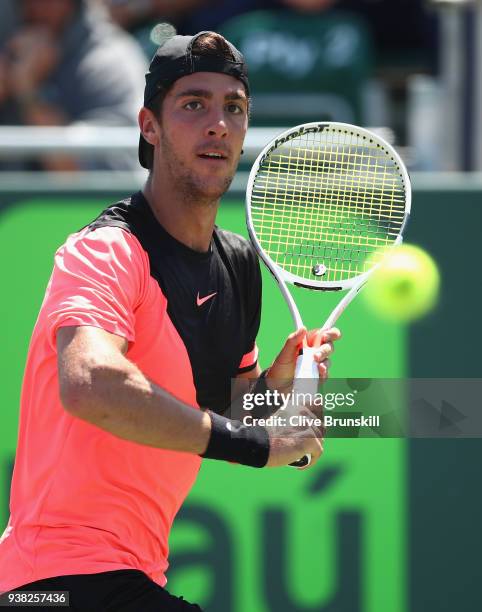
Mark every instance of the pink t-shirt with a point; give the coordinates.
(82, 500)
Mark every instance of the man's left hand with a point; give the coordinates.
(283, 369)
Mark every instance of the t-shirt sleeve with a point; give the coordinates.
(98, 279)
(249, 360)
(253, 295)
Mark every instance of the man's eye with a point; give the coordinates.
(235, 109)
(194, 105)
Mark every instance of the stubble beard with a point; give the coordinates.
(194, 190)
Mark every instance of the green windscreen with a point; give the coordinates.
(332, 538)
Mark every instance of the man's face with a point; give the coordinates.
(53, 14)
(203, 124)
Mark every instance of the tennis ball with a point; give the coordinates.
(405, 285)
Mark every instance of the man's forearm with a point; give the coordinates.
(120, 399)
(101, 386)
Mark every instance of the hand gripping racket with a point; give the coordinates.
(321, 199)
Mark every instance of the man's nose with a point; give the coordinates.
(217, 125)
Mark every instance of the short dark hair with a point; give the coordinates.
(210, 43)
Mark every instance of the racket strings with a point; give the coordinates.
(330, 198)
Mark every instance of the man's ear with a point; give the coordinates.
(149, 126)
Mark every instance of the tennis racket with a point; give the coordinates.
(322, 198)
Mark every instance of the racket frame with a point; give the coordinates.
(354, 284)
(306, 368)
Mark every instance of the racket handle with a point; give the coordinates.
(306, 367)
(306, 381)
(301, 463)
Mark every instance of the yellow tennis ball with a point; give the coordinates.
(405, 285)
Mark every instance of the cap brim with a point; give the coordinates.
(146, 153)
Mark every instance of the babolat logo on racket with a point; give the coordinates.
(303, 130)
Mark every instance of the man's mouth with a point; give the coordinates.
(213, 155)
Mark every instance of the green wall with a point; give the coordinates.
(445, 492)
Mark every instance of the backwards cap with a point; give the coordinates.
(175, 59)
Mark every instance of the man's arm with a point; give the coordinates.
(100, 385)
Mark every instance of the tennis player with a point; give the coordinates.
(150, 311)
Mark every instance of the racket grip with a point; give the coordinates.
(306, 381)
(301, 463)
(306, 372)
(306, 366)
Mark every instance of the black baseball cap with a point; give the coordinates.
(175, 59)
